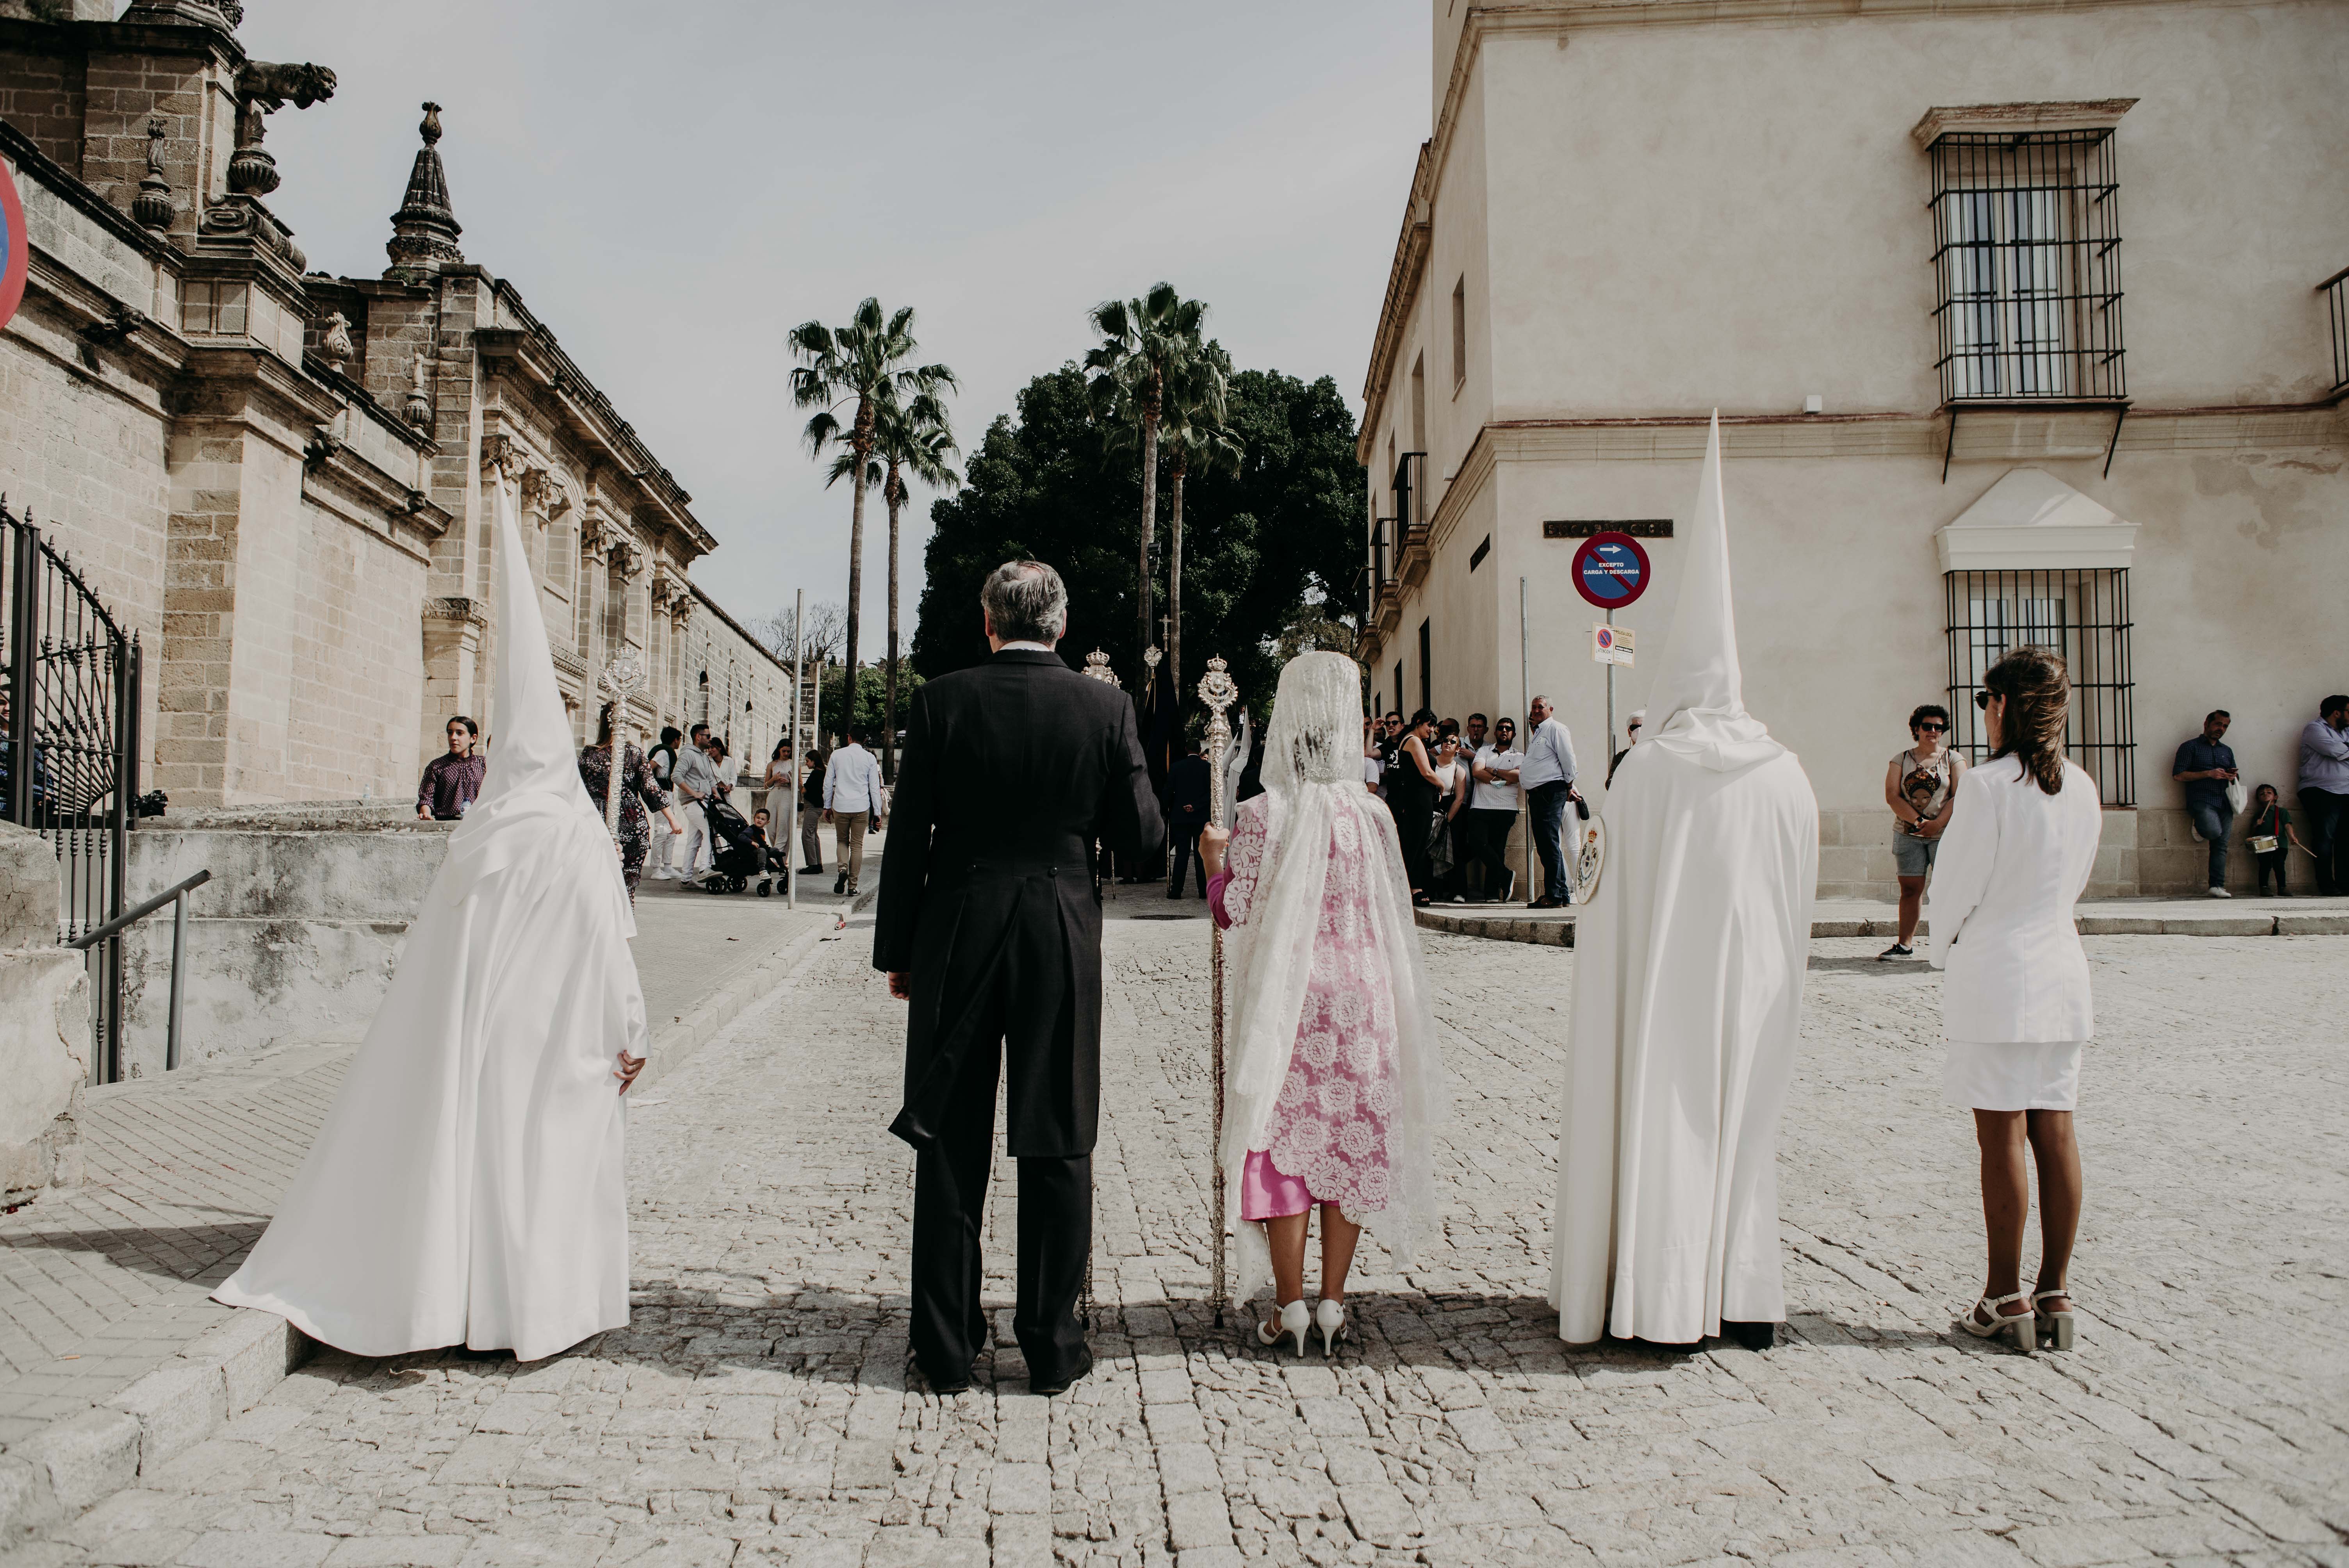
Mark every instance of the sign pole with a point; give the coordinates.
(799, 698)
(1525, 703)
(1610, 695)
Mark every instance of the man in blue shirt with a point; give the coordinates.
(2206, 765)
(1546, 777)
(2325, 790)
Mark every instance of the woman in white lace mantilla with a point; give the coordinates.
(1334, 1087)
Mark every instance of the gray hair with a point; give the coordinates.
(1026, 602)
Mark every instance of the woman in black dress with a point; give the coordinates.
(638, 793)
(1413, 793)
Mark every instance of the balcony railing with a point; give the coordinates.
(1412, 501)
(2335, 290)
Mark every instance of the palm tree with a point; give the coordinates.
(1142, 341)
(915, 440)
(1195, 438)
(864, 362)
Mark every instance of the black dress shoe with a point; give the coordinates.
(1049, 1386)
(1753, 1336)
(945, 1387)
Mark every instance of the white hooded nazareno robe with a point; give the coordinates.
(1688, 992)
(467, 1187)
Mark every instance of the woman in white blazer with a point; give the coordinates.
(2015, 1007)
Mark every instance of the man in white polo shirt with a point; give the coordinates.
(1548, 779)
(852, 802)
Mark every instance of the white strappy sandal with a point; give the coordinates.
(1294, 1318)
(1329, 1317)
(2061, 1329)
(1985, 1321)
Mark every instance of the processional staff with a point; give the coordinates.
(618, 681)
(1218, 691)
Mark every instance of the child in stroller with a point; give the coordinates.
(739, 851)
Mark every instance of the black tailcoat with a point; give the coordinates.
(1012, 769)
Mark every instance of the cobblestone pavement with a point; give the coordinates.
(758, 1411)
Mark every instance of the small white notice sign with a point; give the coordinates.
(1610, 645)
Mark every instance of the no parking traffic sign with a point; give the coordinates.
(1610, 570)
(15, 247)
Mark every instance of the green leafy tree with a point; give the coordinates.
(1281, 531)
(865, 364)
(1145, 343)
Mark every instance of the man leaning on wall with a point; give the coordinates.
(2325, 791)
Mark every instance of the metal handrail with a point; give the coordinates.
(177, 894)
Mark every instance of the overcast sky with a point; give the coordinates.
(672, 187)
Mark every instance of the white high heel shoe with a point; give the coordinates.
(1294, 1318)
(2061, 1329)
(1329, 1317)
(1985, 1321)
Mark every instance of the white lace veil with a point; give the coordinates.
(1312, 779)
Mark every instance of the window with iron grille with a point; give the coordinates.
(2082, 613)
(2335, 290)
(2026, 254)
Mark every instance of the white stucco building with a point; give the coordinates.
(1888, 244)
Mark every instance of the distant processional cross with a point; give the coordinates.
(620, 681)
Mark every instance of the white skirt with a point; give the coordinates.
(2013, 1075)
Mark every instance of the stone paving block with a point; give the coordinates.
(2078, 1545)
(176, 1407)
(482, 1458)
(142, 1548)
(2273, 1516)
(256, 1549)
(1021, 1488)
(82, 1461)
(1198, 1520)
(397, 1551)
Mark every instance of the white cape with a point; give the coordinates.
(1688, 991)
(467, 1186)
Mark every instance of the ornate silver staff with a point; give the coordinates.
(618, 681)
(1218, 691)
(1096, 667)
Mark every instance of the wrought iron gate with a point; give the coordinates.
(69, 758)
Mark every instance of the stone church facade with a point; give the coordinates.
(283, 479)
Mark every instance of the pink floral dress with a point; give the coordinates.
(1327, 1142)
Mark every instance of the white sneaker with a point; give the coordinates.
(2221, 892)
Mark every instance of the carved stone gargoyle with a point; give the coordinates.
(261, 89)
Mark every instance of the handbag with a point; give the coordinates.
(2237, 796)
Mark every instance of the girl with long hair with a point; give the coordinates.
(1333, 1089)
(2016, 1003)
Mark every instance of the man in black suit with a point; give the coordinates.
(989, 924)
(1186, 813)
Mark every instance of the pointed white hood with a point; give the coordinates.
(534, 762)
(1699, 686)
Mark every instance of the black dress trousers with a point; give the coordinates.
(951, 1170)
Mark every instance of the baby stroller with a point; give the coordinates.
(736, 855)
